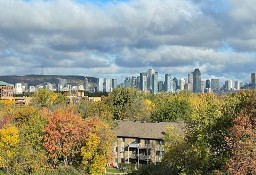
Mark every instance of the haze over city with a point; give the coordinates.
(121, 38)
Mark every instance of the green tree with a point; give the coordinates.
(47, 98)
(127, 103)
(171, 107)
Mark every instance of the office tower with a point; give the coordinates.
(237, 85)
(114, 83)
(168, 83)
(228, 85)
(160, 86)
(100, 82)
(215, 84)
(155, 83)
(207, 84)
(202, 86)
(138, 82)
(175, 84)
(149, 79)
(197, 81)
(253, 80)
(182, 84)
(143, 81)
(127, 82)
(106, 85)
(134, 82)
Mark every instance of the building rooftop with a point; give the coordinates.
(2, 83)
(146, 130)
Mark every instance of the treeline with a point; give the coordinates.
(50, 137)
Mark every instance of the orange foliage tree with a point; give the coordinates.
(64, 134)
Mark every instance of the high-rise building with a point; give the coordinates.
(215, 84)
(114, 83)
(253, 80)
(168, 83)
(175, 84)
(207, 84)
(138, 82)
(202, 86)
(150, 79)
(143, 81)
(127, 82)
(134, 82)
(155, 83)
(160, 86)
(228, 85)
(237, 85)
(100, 85)
(182, 84)
(197, 81)
(106, 85)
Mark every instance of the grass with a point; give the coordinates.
(113, 170)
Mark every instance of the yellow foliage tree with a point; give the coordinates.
(9, 139)
(97, 150)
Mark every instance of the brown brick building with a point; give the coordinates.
(6, 90)
(141, 142)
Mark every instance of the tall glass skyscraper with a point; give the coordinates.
(168, 83)
(197, 81)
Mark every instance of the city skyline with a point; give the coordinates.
(107, 38)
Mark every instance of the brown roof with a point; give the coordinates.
(138, 129)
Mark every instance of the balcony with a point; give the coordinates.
(146, 146)
(159, 148)
(141, 156)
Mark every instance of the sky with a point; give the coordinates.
(119, 38)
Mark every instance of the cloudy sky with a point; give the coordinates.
(118, 38)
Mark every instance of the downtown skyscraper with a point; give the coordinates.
(197, 81)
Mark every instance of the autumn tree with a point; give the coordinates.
(97, 150)
(241, 140)
(47, 98)
(9, 140)
(31, 157)
(64, 134)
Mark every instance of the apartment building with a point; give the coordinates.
(6, 90)
(141, 142)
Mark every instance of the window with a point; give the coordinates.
(146, 141)
(115, 149)
(122, 149)
(122, 139)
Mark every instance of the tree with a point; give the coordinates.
(64, 134)
(241, 140)
(97, 150)
(9, 139)
(46, 98)
(171, 107)
(127, 103)
(31, 156)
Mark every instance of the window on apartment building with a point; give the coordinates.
(146, 141)
(122, 149)
(115, 149)
(122, 139)
(122, 160)
(160, 142)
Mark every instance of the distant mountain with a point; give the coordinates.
(33, 80)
